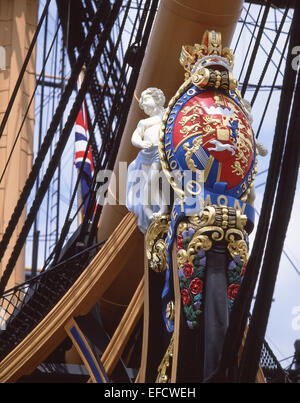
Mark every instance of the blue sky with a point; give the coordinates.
(283, 325)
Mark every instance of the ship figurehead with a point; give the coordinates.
(207, 151)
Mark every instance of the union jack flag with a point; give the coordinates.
(81, 140)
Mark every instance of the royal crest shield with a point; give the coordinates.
(206, 129)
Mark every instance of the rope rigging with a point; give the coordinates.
(23, 69)
(48, 139)
(89, 216)
(270, 56)
(242, 28)
(283, 204)
(242, 304)
(250, 43)
(255, 49)
(273, 86)
(146, 26)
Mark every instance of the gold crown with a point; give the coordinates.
(209, 53)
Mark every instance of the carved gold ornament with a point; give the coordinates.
(155, 243)
(162, 376)
(198, 242)
(215, 224)
(170, 310)
(182, 257)
(237, 245)
(209, 52)
(207, 77)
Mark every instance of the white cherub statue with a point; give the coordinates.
(144, 196)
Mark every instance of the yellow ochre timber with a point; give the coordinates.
(121, 336)
(17, 27)
(92, 283)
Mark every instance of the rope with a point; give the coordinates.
(242, 28)
(60, 144)
(280, 220)
(255, 49)
(90, 208)
(241, 307)
(250, 43)
(89, 215)
(51, 269)
(273, 86)
(270, 56)
(125, 109)
(67, 222)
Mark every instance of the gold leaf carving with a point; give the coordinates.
(155, 243)
(182, 257)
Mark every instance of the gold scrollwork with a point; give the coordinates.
(216, 224)
(170, 311)
(182, 226)
(194, 57)
(201, 78)
(155, 243)
(237, 244)
(206, 77)
(208, 216)
(162, 376)
(194, 220)
(198, 242)
(234, 234)
(238, 248)
(241, 220)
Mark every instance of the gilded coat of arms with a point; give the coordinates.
(206, 128)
